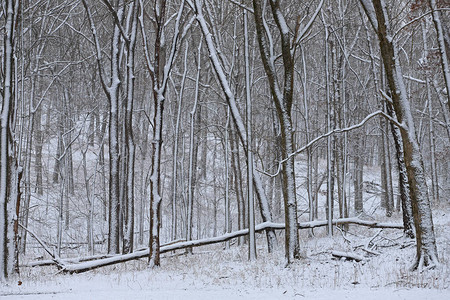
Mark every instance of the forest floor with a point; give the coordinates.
(213, 272)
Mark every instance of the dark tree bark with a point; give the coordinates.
(403, 184)
(8, 167)
(283, 102)
(426, 251)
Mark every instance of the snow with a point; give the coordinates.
(174, 288)
(227, 274)
(214, 273)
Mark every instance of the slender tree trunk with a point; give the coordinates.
(155, 181)
(128, 239)
(433, 171)
(226, 144)
(38, 148)
(250, 194)
(403, 184)
(283, 103)
(358, 176)
(442, 48)
(237, 119)
(193, 150)
(8, 168)
(237, 180)
(112, 92)
(330, 139)
(175, 148)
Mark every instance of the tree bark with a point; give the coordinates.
(426, 251)
(128, 239)
(237, 119)
(283, 103)
(8, 168)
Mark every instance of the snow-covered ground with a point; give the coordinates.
(215, 273)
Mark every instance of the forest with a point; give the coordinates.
(143, 135)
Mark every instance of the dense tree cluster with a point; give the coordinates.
(128, 123)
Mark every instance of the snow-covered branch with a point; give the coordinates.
(334, 131)
(90, 265)
(300, 34)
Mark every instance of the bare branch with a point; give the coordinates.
(337, 130)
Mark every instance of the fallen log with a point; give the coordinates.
(50, 262)
(354, 220)
(347, 255)
(87, 266)
(171, 246)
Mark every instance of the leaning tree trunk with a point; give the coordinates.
(237, 120)
(426, 251)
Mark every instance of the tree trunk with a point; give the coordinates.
(250, 194)
(237, 119)
(8, 168)
(403, 184)
(432, 141)
(128, 239)
(358, 179)
(426, 254)
(283, 103)
(442, 47)
(193, 151)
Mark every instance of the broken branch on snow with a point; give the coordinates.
(171, 246)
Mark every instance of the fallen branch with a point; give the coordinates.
(171, 246)
(38, 240)
(369, 248)
(347, 255)
(355, 220)
(56, 259)
(86, 266)
(50, 262)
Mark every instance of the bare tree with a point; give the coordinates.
(111, 90)
(159, 66)
(216, 61)
(442, 46)
(282, 94)
(8, 161)
(426, 254)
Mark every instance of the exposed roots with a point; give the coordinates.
(425, 261)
